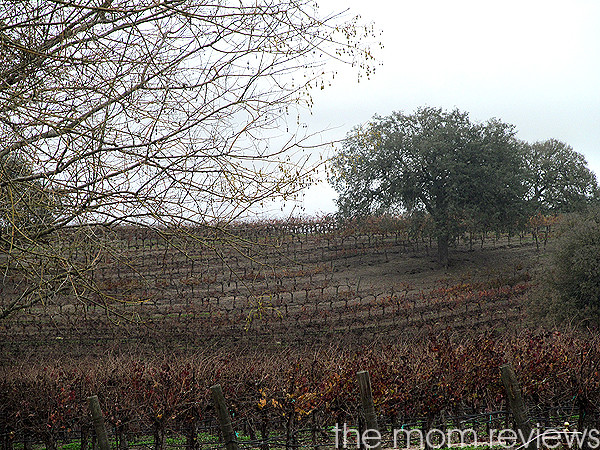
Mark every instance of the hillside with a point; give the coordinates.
(271, 286)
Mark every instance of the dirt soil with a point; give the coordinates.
(309, 290)
(421, 271)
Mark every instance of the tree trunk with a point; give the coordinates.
(443, 240)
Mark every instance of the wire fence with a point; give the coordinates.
(205, 434)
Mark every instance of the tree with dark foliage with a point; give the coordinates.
(432, 160)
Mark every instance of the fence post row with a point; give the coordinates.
(516, 404)
(98, 419)
(509, 379)
(224, 418)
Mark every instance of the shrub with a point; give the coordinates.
(570, 288)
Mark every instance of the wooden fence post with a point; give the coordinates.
(516, 404)
(224, 418)
(98, 419)
(366, 395)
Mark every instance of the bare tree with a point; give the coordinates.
(146, 112)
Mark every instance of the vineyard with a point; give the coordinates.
(283, 316)
(281, 283)
(292, 398)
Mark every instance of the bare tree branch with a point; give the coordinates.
(117, 112)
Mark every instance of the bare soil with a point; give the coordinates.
(290, 290)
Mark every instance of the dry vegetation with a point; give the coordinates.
(284, 319)
(278, 284)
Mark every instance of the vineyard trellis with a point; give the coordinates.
(198, 313)
(272, 276)
(293, 400)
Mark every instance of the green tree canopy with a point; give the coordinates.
(557, 178)
(433, 160)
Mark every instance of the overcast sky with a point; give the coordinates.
(534, 64)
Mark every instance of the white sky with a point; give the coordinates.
(534, 64)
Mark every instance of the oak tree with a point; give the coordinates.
(557, 178)
(432, 160)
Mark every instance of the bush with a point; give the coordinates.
(570, 289)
